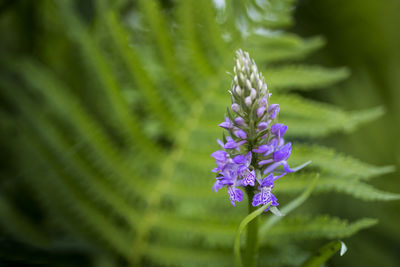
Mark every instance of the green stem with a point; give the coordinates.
(251, 250)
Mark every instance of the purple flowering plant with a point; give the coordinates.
(253, 152)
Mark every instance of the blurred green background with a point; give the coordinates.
(365, 36)
(360, 35)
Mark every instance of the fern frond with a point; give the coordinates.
(326, 183)
(312, 119)
(332, 162)
(18, 225)
(303, 77)
(316, 227)
(132, 178)
(278, 47)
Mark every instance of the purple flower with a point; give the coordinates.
(243, 170)
(239, 121)
(228, 177)
(248, 176)
(247, 101)
(264, 101)
(240, 134)
(260, 111)
(273, 110)
(269, 148)
(235, 194)
(227, 124)
(220, 156)
(230, 143)
(243, 160)
(278, 129)
(262, 125)
(265, 195)
(235, 107)
(283, 153)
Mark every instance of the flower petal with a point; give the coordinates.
(283, 153)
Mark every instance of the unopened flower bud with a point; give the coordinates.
(254, 68)
(263, 101)
(238, 90)
(235, 107)
(240, 121)
(253, 93)
(248, 101)
(260, 84)
(240, 134)
(242, 78)
(262, 125)
(253, 77)
(238, 67)
(248, 84)
(260, 111)
(264, 88)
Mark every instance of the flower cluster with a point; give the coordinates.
(254, 154)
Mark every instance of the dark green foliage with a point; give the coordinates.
(110, 121)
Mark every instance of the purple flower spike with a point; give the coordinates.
(254, 121)
(273, 110)
(227, 124)
(278, 129)
(240, 134)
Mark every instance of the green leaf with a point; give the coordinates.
(324, 253)
(242, 226)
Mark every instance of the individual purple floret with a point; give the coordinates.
(227, 124)
(265, 195)
(254, 154)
